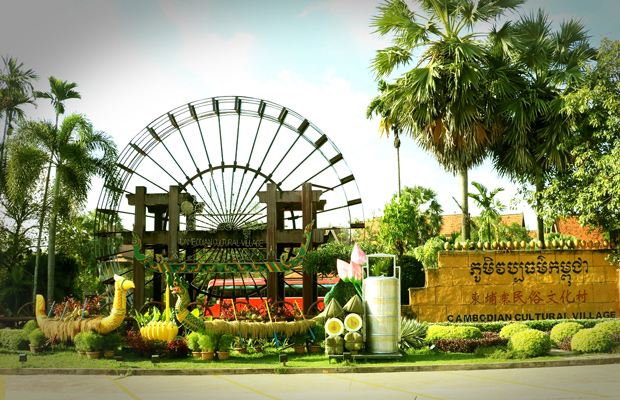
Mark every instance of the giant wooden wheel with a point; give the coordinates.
(221, 153)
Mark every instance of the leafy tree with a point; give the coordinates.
(15, 91)
(445, 102)
(410, 220)
(491, 209)
(76, 151)
(590, 188)
(548, 65)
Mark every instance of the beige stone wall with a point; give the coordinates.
(479, 286)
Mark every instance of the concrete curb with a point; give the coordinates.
(568, 362)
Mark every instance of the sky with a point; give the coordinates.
(136, 60)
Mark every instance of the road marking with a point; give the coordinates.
(385, 387)
(524, 384)
(123, 388)
(2, 389)
(247, 387)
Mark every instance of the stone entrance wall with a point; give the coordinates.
(486, 286)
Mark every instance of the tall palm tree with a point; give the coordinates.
(60, 91)
(15, 91)
(445, 102)
(77, 153)
(490, 208)
(549, 65)
(378, 106)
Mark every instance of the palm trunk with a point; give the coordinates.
(51, 247)
(5, 137)
(41, 222)
(464, 204)
(540, 186)
(397, 145)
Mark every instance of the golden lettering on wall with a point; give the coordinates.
(520, 269)
(472, 286)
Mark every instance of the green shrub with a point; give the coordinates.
(112, 341)
(593, 340)
(509, 330)
(412, 333)
(93, 341)
(436, 332)
(79, 342)
(192, 341)
(225, 342)
(612, 327)
(14, 339)
(530, 342)
(37, 338)
(564, 330)
(29, 327)
(207, 340)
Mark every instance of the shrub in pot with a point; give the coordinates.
(111, 343)
(208, 341)
(530, 342)
(80, 344)
(93, 342)
(192, 343)
(37, 340)
(223, 346)
(298, 339)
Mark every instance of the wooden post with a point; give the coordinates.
(271, 242)
(173, 229)
(139, 226)
(309, 291)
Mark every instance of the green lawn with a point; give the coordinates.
(68, 358)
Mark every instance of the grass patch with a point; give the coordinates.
(67, 358)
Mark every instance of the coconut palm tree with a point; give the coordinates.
(490, 208)
(60, 91)
(15, 91)
(378, 106)
(549, 65)
(445, 102)
(76, 152)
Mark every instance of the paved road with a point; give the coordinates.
(582, 382)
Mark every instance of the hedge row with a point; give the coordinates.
(13, 339)
(470, 345)
(544, 325)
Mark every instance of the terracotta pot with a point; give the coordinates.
(109, 353)
(300, 349)
(82, 353)
(35, 349)
(314, 348)
(223, 355)
(241, 350)
(197, 354)
(93, 354)
(207, 355)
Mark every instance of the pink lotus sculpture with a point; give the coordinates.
(353, 272)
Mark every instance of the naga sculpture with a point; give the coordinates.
(55, 329)
(179, 286)
(191, 268)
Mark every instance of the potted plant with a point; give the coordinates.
(239, 345)
(37, 340)
(193, 345)
(223, 346)
(93, 343)
(111, 343)
(319, 338)
(207, 341)
(80, 344)
(299, 339)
